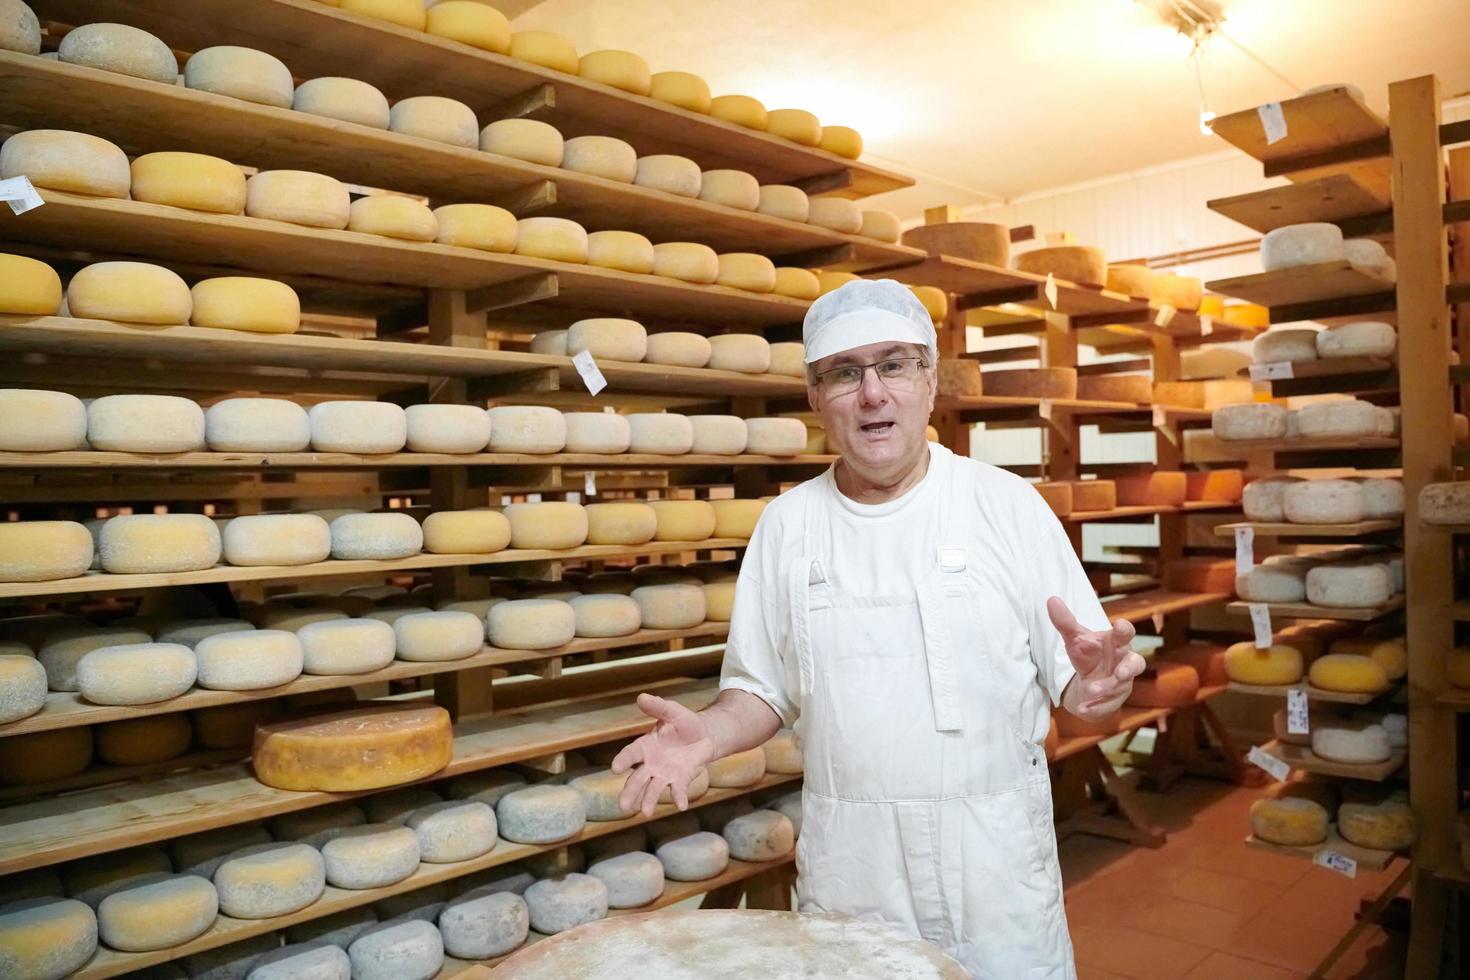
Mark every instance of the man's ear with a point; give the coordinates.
(811, 398)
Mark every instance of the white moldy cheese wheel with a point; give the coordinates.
(797, 283)
(484, 922)
(732, 188)
(122, 49)
(371, 856)
(23, 685)
(245, 303)
(482, 226)
(65, 161)
(65, 648)
(376, 536)
(190, 631)
(1338, 418)
(549, 524)
(1366, 338)
(545, 48)
(1074, 263)
(433, 117)
(668, 173)
(597, 432)
(189, 180)
(746, 270)
(21, 31)
(392, 216)
(397, 950)
(298, 197)
(1353, 742)
(256, 425)
(760, 836)
(609, 338)
(140, 543)
(1304, 244)
(686, 261)
(783, 201)
(145, 424)
(276, 539)
(531, 624)
(302, 961)
(796, 125)
(46, 937)
(434, 636)
(1324, 502)
(601, 156)
(836, 213)
(1284, 345)
(1382, 497)
(453, 830)
(550, 342)
(660, 433)
(28, 287)
(1368, 255)
(882, 226)
(447, 428)
(670, 607)
(694, 857)
(624, 250)
(683, 520)
(473, 532)
(535, 429)
(1273, 582)
(620, 69)
(540, 814)
(137, 673)
(594, 615)
(718, 435)
(41, 421)
(738, 770)
(746, 353)
(248, 660)
(143, 741)
(1354, 586)
(133, 292)
(782, 753)
(736, 518)
(565, 902)
(1439, 503)
(623, 522)
(1032, 382)
(558, 239)
(346, 99)
(244, 73)
(156, 912)
(788, 359)
(633, 879)
(346, 646)
(678, 348)
(1257, 420)
(524, 139)
(775, 436)
(265, 880)
(358, 427)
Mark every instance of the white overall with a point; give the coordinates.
(925, 806)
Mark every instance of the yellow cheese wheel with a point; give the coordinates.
(366, 746)
(1390, 654)
(147, 543)
(433, 117)
(558, 239)
(43, 757)
(524, 139)
(796, 283)
(43, 551)
(133, 292)
(1384, 826)
(827, 280)
(544, 48)
(796, 125)
(245, 303)
(346, 99)
(784, 201)
(670, 173)
(1278, 664)
(298, 197)
(156, 912)
(1212, 305)
(683, 520)
(736, 518)
(936, 303)
(1180, 292)
(1248, 315)
(842, 140)
(28, 287)
(1163, 487)
(1131, 280)
(143, 741)
(835, 213)
(621, 523)
(60, 160)
(1289, 821)
(624, 250)
(466, 532)
(687, 261)
(883, 226)
(1073, 263)
(189, 180)
(719, 601)
(405, 13)
(549, 524)
(741, 110)
(393, 217)
(746, 270)
(242, 73)
(482, 226)
(680, 88)
(620, 69)
(470, 22)
(1349, 673)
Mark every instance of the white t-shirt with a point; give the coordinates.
(1020, 556)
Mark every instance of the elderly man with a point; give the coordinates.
(910, 612)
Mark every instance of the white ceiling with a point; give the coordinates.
(993, 99)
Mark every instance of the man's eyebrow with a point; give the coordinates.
(847, 357)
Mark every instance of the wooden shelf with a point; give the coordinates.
(1295, 287)
(127, 110)
(974, 284)
(87, 460)
(1268, 529)
(1455, 697)
(1306, 610)
(1326, 132)
(1367, 858)
(68, 709)
(1326, 376)
(1300, 445)
(1158, 602)
(105, 582)
(1338, 198)
(1313, 693)
(1119, 513)
(1303, 758)
(1133, 719)
(169, 234)
(314, 40)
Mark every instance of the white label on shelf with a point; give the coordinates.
(1273, 121)
(1275, 371)
(1245, 550)
(1158, 620)
(1297, 717)
(1260, 623)
(590, 372)
(589, 483)
(1043, 408)
(1261, 759)
(1334, 861)
(1161, 416)
(20, 194)
(1050, 290)
(1164, 316)
(1206, 326)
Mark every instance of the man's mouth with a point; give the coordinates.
(877, 428)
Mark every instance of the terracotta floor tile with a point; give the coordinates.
(1227, 966)
(1097, 973)
(1174, 918)
(1136, 954)
(1234, 858)
(1224, 891)
(1321, 900)
(1375, 955)
(1269, 938)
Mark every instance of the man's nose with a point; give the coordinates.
(873, 391)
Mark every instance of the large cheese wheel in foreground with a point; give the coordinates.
(367, 746)
(1032, 383)
(46, 937)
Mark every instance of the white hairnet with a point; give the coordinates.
(866, 311)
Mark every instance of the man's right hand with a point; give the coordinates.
(671, 755)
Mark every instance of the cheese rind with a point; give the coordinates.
(1355, 586)
(783, 201)
(391, 216)
(597, 432)
(243, 73)
(540, 814)
(624, 522)
(145, 424)
(1278, 664)
(358, 427)
(1074, 263)
(746, 270)
(455, 429)
(670, 607)
(1257, 420)
(346, 646)
(796, 125)
(531, 624)
(558, 239)
(483, 923)
(880, 226)
(382, 537)
(481, 226)
(760, 836)
(147, 543)
(19, 31)
(1309, 243)
(1115, 387)
(1275, 346)
(678, 348)
(796, 283)
(623, 250)
(245, 303)
(731, 188)
(843, 141)
(742, 110)
(298, 197)
(136, 673)
(473, 532)
(1323, 502)
(686, 261)
(736, 518)
(746, 353)
(694, 857)
(276, 539)
(669, 173)
(435, 118)
(606, 615)
(347, 99)
(1273, 582)
(22, 687)
(680, 88)
(476, 24)
(555, 525)
(545, 48)
(562, 903)
(302, 961)
(1162, 487)
(1351, 742)
(601, 156)
(156, 912)
(660, 433)
(1385, 826)
(535, 429)
(1167, 685)
(28, 286)
(1335, 419)
(404, 13)
(397, 950)
(265, 880)
(683, 520)
(122, 49)
(42, 551)
(189, 180)
(435, 636)
(1265, 500)
(1367, 338)
(1350, 673)
(46, 938)
(367, 746)
(608, 338)
(633, 879)
(1131, 280)
(248, 660)
(620, 69)
(1032, 382)
(836, 214)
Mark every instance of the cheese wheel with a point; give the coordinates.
(686, 261)
(1180, 292)
(738, 770)
(783, 754)
(632, 879)
(366, 746)
(597, 432)
(477, 24)
(433, 117)
(66, 161)
(371, 856)
(358, 427)
(670, 607)
(796, 125)
(145, 424)
(143, 741)
(302, 961)
(534, 429)
(1116, 387)
(620, 69)
(736, 518)
(1382, 498)
(41, 421)
(22, 687)
(133, 292)
(346, 99)
(935, 302)
(742, 110)
(1367, 338)
(732, 188)
(760, 836)
(1257, 420)
(679, 349)
(1338, 419)
(600, 789)
(683, 520)
(19, 31)
(248, 660)
(1349, 673)
(544, 48)
(1094, 495)
(392, 216)
(694, 857)
(531, 624)
(524, 139)
(565, 902)
(746, 270)
(1439, 503)
(1278, 664)
(1058, 497)
(65, 648)
(28, 287)
(405, 13)
(44, 757)
(1131, 280)
(540, 814)
(1273, 582)
(718, 435)
(1265, 500)
(746, 353)
(608, 338)
(1355, 586)
(1385, 826)
(1074, 263)
(680, 88)
(1289, 821)
(836, 213)
(660, 433)
(136, 673)
(1303, 244)
(1351, 742)
(453, 830)
(796, 283)
(276, 539)
(1367, 255)
(436, 636)
(1324, 502)
(455, 429)
(552, 524)
(783, 201)
(245, 303)
(243, 73)
(625, 522)
(1032, 383)
(265, 880)
(881, 226)
(606, 615)
(144, 543)
(156, 913)
(346, 646)
(828, 281)
(397, 950)
(44, 937)
(1150, 489)
(466, 532)
(843, 141)
(789, 359)
(1217, 486)
(1284, 345)
(382, 537)
(669, 173)
(298, 197)
(551, 238)
(483, 923)
(43, 551)
(121, 49)
(624, 250)
(1208, 395)
(601, 156)
(550, 342)
(189, 180)
(1391, 655)
(1199, 574)
(987, 243)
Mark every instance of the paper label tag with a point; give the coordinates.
(1260, 623)
(1161, 416)
(1261, 759)
(1043, 408)
(1050, 290)
(1333, 861)
(589, 483)
(1297, 717)
(20, 194)
(1206, 326)
(1158, 620)
(1273, 121)
(1275, 371)
(1164, 316)
(1245, 550)
(590, 372)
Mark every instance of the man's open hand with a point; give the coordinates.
(1105, 664)
(671, 755)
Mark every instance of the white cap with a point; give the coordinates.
(866, 311)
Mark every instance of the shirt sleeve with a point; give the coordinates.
(757, 656)
(1056, 571)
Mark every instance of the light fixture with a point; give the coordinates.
(1197, 21)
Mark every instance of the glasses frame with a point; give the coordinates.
(821, 376)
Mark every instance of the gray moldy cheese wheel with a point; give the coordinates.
(484, 922)
(694, 857)
(760, 836)
(972, 240)
(1032, 383)
(540, 814)
(559, 904)
(1445, 503)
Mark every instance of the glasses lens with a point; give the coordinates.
(896, 373)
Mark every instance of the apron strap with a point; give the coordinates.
(939, 654)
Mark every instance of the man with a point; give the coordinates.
(910, 612)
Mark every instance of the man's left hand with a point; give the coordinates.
(1105, 664)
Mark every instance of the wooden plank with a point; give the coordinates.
(1303, 758)
(1313, 693)
(973, 283)
(1333, 123)
(1300, 284)
(1306, 610)
(90, 460)
(314, 40)
(1268, 529)
(1158, 602)
(1301, 445)
(1367, 858)
(1118, 513)
(1334, 198)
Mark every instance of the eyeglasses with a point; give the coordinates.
(899, 373)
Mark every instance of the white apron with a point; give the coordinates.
(925, 806)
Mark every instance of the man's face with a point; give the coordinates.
(877, 426)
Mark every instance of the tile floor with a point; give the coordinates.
(1206, 906)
